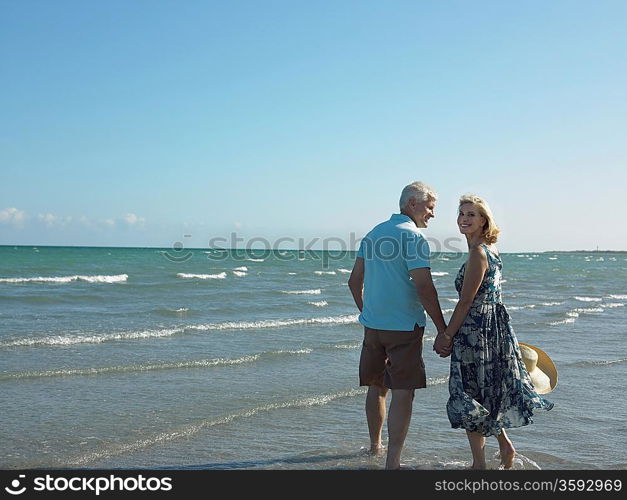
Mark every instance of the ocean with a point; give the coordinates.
(207, 359)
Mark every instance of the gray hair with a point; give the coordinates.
(418, 190)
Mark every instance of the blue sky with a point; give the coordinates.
(134, 123)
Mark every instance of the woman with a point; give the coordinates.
(490, 389)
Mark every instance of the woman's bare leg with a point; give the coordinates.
(477, 447)
(507, 450)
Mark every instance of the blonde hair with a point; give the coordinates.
(490, 229)
(419, 190)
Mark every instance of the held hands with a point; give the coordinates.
(443, 344)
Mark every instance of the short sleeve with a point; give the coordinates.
(418, 253)
(360, 250)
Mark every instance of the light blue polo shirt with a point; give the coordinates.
(390, 250)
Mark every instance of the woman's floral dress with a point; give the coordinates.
(489, 387)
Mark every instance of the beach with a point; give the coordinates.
(208, 359)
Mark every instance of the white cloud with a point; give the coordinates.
(12, 216)
(132, 219)
(48, 219)
(54, 220)
(16, 217)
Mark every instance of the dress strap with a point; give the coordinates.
(490, 251)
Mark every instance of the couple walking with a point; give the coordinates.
(490, 389)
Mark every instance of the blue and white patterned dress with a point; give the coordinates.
(489, 386)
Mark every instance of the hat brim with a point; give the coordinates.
(545, 363)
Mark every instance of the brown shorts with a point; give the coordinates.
(392, 359)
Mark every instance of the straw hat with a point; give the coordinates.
(540, 367)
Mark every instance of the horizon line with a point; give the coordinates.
(288, 249)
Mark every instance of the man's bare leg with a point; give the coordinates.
(398, 425)
(375, 414)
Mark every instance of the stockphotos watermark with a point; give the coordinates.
(85, 484)
(325, 250)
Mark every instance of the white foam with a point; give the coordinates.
(451, 300)
(551, 303)
(571, 317)
(240, 273)
(219, 276)
(613, 304)
(294, 351)
(256, 260)
(612, 362)
(588, 299)
(277, 323)
(586, 310)
(563, 322)
(517, 308)
(324, 272)
(116, 278)
(347, 346)
(321, 303)
(65, 340)
(243, 268)
(317, 291)
(447, 311)
(191, 429)
(200, 363)
(437, 381)
(618, 297)
(521, 460)
(345, 271)
(439, 273)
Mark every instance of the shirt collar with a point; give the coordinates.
(401, 218)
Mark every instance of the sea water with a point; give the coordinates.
(145, 357)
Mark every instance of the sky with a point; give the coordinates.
(296, 124)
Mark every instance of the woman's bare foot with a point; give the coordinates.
(506, 449)
(377, 450)
(507, 454)
(478, 467)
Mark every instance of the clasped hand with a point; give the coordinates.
(443, 345)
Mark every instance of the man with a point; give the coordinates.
(392, 287)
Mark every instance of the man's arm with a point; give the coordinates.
(428, 296)
(356, 282)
